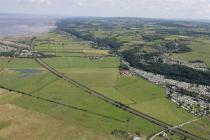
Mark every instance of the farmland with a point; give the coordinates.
(44, 100)
(26, 75)
(14, 114)
(200, 51)
(98, 112)
(201, 127)
(149, 98)
(102, 75)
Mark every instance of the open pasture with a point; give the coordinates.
(151, 99)
(200, 51)
(62, 45)
(41, 83)
(200, 127)
(94, 69)
(82, 62)
(17, 122)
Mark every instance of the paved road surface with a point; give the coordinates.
(178, 126)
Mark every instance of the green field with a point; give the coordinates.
(78, 60)
(100, 116)
(200, 51)
(33, 119)
(22, 63)
(151, 99)
(200, 127)
(81, 62)
(103, 76)
(62, 45)
(3, 62)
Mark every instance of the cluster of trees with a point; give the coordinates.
(187, 93)
(131, 55)
(176, 24)
(176, 72)
(107, 42)
(152, 37)
(196, 61)
(193, 94)
(112, 43)
(177, 47)
(123, 67)
(8, 54)
(135, 55)
(197, 33)
(120, 134)
(181, 31)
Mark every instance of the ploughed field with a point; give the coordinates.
(86, 116)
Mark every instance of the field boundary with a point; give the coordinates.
(5, 66)
(62, 104)
(116, 103)
(43, 86)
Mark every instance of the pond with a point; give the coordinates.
(25, 73)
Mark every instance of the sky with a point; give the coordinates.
(170, 9)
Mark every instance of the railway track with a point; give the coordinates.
(116, 103)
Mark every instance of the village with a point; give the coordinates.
(10, 49)
(194, 102)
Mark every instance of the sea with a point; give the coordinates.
(18, 25)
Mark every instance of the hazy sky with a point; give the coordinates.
(190, 9)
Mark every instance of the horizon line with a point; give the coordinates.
(91, 16)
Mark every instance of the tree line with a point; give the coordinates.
(106, 42)
(175, 71)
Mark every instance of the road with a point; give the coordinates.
(116, 103)
(178, 126)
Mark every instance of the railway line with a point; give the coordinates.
(118, 104)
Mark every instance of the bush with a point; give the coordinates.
(123, 67)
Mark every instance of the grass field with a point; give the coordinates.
(23, 63)
(134, 91)
(25, 75)
(200, 127)
(92, 114)
(200, 51)
(151, 99)
(103, 76)
(44, 84)
(21, 123)
(61, 45)
(93, 77)
(81, 62)
(3, 62)
(71, 124)
(24, 81)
